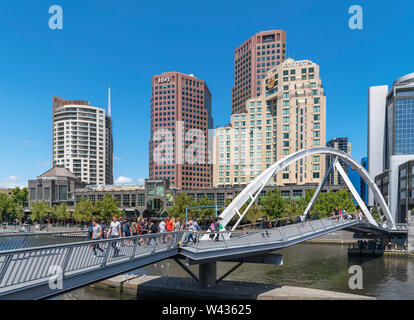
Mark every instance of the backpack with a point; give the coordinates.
(125, 228)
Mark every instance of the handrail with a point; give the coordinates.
(72, 244)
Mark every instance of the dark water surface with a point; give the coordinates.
(319, 266)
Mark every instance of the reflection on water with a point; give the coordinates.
(320, 266)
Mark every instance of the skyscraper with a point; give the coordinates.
(252, 60)
(391, 143)
(344, 145)
(82, 140)
(289, 115)
(180, 120)
(377, 98)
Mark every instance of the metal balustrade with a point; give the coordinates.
(257, 237)
(38, 239)
(23, 268)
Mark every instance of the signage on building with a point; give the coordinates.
(164, 80)
(271, 82)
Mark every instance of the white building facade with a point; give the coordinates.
(82, 140)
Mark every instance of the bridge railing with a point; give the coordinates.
(248, 237)
(27, 240)
(24, 267)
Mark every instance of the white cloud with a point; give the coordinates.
(141, 180)
(122, 180)
(11, 182)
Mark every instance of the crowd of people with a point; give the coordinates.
(125, 227)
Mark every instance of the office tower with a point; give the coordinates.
(180, 122)
(290, 115)
(82, 140)
(343, 145)
(377, 97)
(391, 151)
(252, 60)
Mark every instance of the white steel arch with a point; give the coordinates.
(254, 188)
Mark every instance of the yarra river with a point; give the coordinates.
(319, 266)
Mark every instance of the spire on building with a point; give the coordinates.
(109, 99)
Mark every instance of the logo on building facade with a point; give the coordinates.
(164, 80)
(271, 82)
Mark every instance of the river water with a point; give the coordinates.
(319, 266)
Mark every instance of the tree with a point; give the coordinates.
(326, 202)
(40, 210)
(7, 207)
(182, 201)
(19, 213)
(20, 196)
(303, 203)
(83, 211)
(273, 204)
(207, 212)
(61, 212)
(375, 213)
(255, 213)
(292, 209)
(107, 208)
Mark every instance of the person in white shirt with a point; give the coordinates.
(115, 232)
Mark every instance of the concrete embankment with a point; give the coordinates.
(157, 287)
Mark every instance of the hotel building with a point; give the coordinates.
(290, 115)
(252, 60)
(82, 140)
(180, 122)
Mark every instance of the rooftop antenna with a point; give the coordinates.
(109, 99)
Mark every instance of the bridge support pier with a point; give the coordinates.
(208, 274)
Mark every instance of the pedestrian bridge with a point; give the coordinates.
(40, 266)
(45, 271)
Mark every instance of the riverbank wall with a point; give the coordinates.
(162, 287)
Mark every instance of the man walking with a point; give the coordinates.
(96, 235)
(115, 232)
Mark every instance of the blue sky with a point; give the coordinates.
(126, 42)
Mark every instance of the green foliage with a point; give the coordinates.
(327, 202)
(255, 213)
(107, 208)
(7, 207)
(83, 211)
(203, 213)
(292, 209)
(375, 212)
(61, 212)
(20, 196)
(273, 204)
(182, 201)
(40, 210)
(19, 212)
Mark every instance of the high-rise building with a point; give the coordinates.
(82, 140)
(343, 145)
(180, 121)
(377, 97)
(364, 187)
(391, 142)
(289, 116)
(252, 60)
